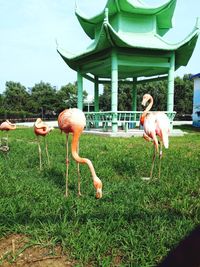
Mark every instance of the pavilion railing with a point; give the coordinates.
(126, 119)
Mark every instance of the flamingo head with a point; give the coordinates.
(39, 120)
(99, 193)
(98, 186)
(145, 99)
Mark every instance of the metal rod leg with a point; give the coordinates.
(160, 157)
(67, 164)
(79, 175)
(40, 152)
(7, 140)
(46, 148)
(152, 166)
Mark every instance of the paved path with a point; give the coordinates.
(55, 123)
(30, 124)
(120, 133)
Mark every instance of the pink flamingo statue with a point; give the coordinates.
(155, 124)
(42, 129)
(73, 121)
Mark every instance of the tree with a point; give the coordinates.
(15, 97)
(156, 89)
(183, 95)
(105, 99)
(124, 98)
(67, 96)
(183, 99)
(1, 100)
(43, 98)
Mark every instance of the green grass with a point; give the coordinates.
(136, 222)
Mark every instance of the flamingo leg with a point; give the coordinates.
(4, 143)
(40, 152)
(7, 140)
(160, 157)
(46, 148)
(2, 140)
(67, 164)
(78, 171)
(153, 161)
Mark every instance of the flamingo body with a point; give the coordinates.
(41, 128)
(7, 126)
(73, 121)
(156, 124)
(70, 120)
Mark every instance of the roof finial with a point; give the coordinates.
(106, 15)
(76, 7)
(56, 41)
(197, 23)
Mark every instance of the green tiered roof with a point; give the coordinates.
(136, 31)
(138, 13)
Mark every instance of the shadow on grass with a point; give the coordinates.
(55, 175)
(58, 177)
(100, 217)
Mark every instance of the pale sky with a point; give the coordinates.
(29, 30)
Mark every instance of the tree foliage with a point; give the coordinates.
(44, 99)
(183, 95)
(15, 96)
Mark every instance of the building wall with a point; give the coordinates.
(196, 102)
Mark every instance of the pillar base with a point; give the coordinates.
(114, 127)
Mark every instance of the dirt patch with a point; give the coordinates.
(17, 250)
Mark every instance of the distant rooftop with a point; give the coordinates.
(195, 76)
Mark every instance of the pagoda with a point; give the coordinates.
(128, 44)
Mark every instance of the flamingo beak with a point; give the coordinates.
(99, 193)
(98, 186)
(143, 102)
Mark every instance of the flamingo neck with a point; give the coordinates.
(75, 141)
(147, 109)
(96, 181)
(42, 131)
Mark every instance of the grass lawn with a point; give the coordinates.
(136, 223)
